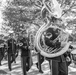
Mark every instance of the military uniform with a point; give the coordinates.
(25, 55)
(11, 51)
(57, 64)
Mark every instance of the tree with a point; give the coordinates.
(21, 14)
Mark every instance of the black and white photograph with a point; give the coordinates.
(37, 37)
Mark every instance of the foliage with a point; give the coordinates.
(19, 15)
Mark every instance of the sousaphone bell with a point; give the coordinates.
(51, 41)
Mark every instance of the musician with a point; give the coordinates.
(57, 64)
(11, 45)
(1, 48)
(50, 35)
(25, 53)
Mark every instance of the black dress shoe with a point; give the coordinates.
(41, 71)
(14, 61)
(37, 65)
(0, 64)
(10, 69)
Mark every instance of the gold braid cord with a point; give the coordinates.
(51, 41)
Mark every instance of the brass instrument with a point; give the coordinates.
(1, 45)
(51, 50)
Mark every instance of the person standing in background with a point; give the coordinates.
(25, 56)
(11, 43)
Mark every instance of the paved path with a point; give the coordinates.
(16, 68)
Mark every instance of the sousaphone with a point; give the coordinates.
(51, 41)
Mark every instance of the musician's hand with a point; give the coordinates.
(25, 47)
(68, 58)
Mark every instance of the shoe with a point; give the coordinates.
(41, 71)
(10, 69)
(14, 61)
(37, 65)
(0, 64)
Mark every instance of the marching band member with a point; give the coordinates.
(58, 64)
(25, 54)
(11, 45)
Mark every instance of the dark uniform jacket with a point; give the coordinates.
(11, 45)
(49, 41)
(24, 47)
(25, 52)
(57, 44)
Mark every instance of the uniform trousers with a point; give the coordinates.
(24, 64)
(9, 61)
(59, 68)
(40, 61)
